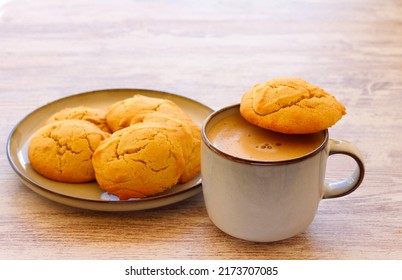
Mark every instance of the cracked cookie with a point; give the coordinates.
(140, 160)
(132, 110)
(93, 115)
(291, 106)
(62, 150)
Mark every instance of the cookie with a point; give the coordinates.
(291, 106)
(62, 150)
(132, 110)
(93, 115)
(140, 160)
(191, 140)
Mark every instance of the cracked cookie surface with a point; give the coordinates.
(291, 106)
(191, 140)
(132, 110)
(93, 115)
(62, 150)
(140, 160)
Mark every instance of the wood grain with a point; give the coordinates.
(211, 51)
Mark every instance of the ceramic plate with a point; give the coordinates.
(89, 195)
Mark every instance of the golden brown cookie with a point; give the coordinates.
(290, 105)
(93, 115)
(132, 110)
(62, 150)
(140, 160)
(191, 140)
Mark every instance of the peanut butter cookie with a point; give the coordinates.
(62, 150)
(132, 110)
(291, 106)
(140, 160)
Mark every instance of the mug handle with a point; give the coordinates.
(348, 185)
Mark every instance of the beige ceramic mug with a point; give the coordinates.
(265, 201)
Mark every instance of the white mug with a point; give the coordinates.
(269, 201)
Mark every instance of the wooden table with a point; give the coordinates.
(212, 52)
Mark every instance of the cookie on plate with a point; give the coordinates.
(140, 160)
(291, 106)
(93, 115)
(132, 110)
(62, 150)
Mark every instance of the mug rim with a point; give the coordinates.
(221, 153)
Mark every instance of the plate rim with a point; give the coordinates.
(23, 177)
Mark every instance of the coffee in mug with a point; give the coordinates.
(236, 136)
